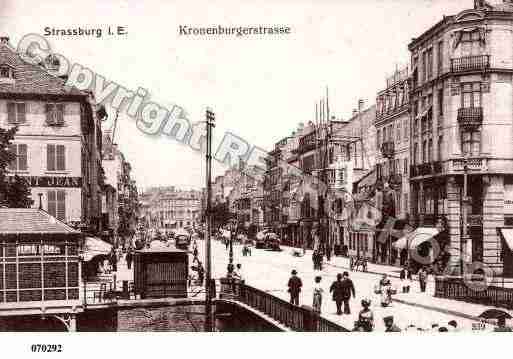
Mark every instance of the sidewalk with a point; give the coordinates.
(415, 298)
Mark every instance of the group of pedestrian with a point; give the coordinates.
(341, 290)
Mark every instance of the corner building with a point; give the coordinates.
(462, 126)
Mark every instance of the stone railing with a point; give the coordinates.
(473, 164)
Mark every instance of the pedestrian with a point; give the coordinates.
(390, 327)
(113, 260)
(342, 289)
(317, 295)
(384, 288)
(423, 274)
(501, 325)
(294, 285)
(128, 258)
(237, 273)
(328, 253)
(366, 317)
(405, 276)
(201, 273)
(314, 259)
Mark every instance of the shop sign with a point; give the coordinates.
(52, 181)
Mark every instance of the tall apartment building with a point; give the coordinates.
(58, 143)
(462, 128)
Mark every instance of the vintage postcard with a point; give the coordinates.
(256, 166)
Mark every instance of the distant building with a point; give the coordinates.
(167, 208)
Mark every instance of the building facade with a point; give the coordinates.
(462, 131)
(168, 208)
(58, 143)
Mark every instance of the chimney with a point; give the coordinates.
(361, 104)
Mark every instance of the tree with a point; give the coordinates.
(16, 193)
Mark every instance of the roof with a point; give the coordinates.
(31, 79)
(31, 221)
(161, 249)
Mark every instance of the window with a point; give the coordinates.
(430, 151)
(55, 158)
(6, 72)
(55, 114)
(398, 131)
(440, 147)
(440, 95)
(406, 202)
(405, 130)
(429, 63)
(440, 57)
(415, 154)
(471, 142)
(471, 94)
(20, 162)
(405, 166)
(424, 66)
(16, 112)
(379, 138)
(57, 204)
(424, 151)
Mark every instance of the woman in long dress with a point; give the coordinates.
(317, 295)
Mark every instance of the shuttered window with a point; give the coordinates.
(57, 204)
(16, 112)
(55, 157)
(20, 162)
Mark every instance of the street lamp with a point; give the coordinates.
(230, 266)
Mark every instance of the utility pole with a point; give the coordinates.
(209, 327)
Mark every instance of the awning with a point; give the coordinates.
(415, 238)
(507, 235)
(94, 247)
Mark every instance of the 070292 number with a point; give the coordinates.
(46, 348)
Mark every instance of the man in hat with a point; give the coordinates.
(342, 289)
(294, 285)
(390, 327)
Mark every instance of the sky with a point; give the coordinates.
(259, 87)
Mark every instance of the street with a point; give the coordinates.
(270, 271)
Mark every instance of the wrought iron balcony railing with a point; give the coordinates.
(387, 149)
(470, 117)
(470, 63)
(437, 167)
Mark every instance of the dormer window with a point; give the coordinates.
(6, 74)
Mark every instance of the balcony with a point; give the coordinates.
(387, 149)
(437, 167)
(474, 220)
(474, 164)
(470, 117)
(470, 63)
(396, 180)
(425, 169)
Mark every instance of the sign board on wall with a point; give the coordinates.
(51, 181)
